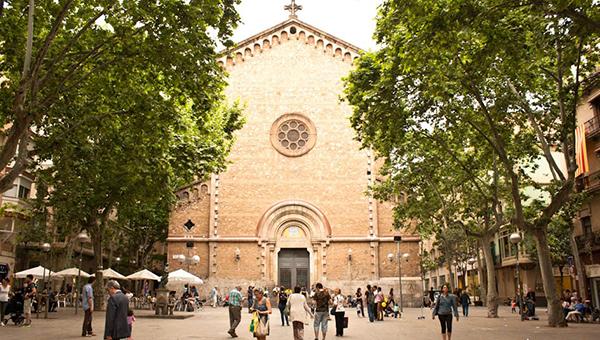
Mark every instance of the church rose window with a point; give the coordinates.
(293, 134)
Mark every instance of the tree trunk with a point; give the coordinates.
(96, 236)
(579, 269)
(482, 272)
(450, 278)
(562, 281)
(492, 293)
(555, 313)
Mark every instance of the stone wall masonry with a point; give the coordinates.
(200, 249)
(410, 268)
(292, 73)
(333, 175)
(340, 268)
(197, 211)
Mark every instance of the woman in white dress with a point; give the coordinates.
(299, 312)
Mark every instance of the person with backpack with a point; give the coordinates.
(283, 298)
(322, 300)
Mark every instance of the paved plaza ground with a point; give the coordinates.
(213, 324)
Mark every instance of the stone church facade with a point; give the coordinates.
(292, 208)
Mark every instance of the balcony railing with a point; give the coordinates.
(589, 182)
(588, 242)
(592, 126)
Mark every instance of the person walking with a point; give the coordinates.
(338, 305)
(262, 305)
(322, 300)
(235, 310)
(283, 299)
(299, 312)
(465, 301)
(370, 296)
(130, 322)
(379, 303)
(87, 304)
(116, 326)
(250, 298)
(359, 303)
(4, 290)
(391, 300)
(431, 296)
(30, 293)
(214, 296)
(445, 306)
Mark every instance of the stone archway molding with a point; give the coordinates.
(293, 210)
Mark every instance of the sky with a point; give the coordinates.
(350, 20)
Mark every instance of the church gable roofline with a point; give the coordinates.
(289, 29)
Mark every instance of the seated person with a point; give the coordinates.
(53, 303)
(566, 307)
(577, 312)
(595, 314)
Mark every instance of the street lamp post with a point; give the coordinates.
(471, 261)
(45, 248)
(189, 260)
(398, 239)
(82, 238)
(515, 238)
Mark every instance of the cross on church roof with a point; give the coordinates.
(293, 8)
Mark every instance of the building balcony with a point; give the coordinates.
(592, 127)
(588, 242)
(589, 182)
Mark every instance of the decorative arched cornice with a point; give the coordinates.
(291, 29)
(293, 210)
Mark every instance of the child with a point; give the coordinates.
(130, 321)
(513, 304)
(396, 310)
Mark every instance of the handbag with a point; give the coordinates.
(263, 328)
(332, 311)
(254, 322)
(345, 322)
(286, 311)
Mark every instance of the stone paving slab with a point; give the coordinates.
(213, 323)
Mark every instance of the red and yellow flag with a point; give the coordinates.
(581, 151)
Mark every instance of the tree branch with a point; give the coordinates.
(50, 38)
(59, 58)
(540, 134)
(21, 163)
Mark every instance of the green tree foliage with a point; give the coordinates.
(508, 72)
(123, 101)
(69, 61)
(453, 191)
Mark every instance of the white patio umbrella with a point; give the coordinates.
(111, 274)
(144, 274)
(38, 272)
(71, 272)
(180, 277)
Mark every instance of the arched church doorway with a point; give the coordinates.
(293, 234)
(294, 268)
